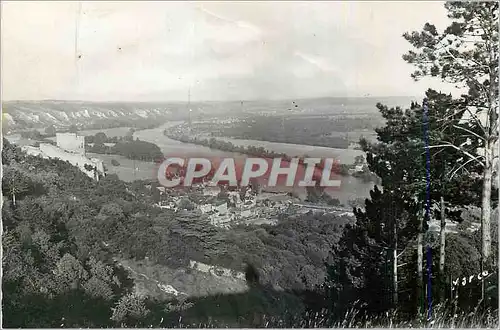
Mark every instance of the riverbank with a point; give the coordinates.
(352, 188)
(178, 133)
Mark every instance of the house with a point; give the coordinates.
(249, 203)
(354, 145)
(161, 189)
(221, 208)
(234, 197)
(221, 220)
(211, 191)
(206, 208)
(168, 206)
(359, 168)
(246, 213)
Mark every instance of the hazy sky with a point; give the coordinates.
(240, 50)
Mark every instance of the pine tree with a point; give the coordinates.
(466, 54)
(366, 258)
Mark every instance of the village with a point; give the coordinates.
(224, 206)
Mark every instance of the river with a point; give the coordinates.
(351, 188)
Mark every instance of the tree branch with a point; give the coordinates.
(448, 144)
(461, 166)
(397, 256)
(483, 128)
(471, 132)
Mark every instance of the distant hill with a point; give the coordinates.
(18, 115)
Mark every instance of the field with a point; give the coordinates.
(125, 171)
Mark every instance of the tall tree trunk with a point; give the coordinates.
(395, 267)
(442, 250)
(420, 256)
(486, 211)
(489, 151)
(486, 205)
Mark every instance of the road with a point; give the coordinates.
(325, 208)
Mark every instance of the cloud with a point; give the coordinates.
(234, 23)
(321, 63)
(223, 50)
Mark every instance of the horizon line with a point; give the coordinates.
(208, 100)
